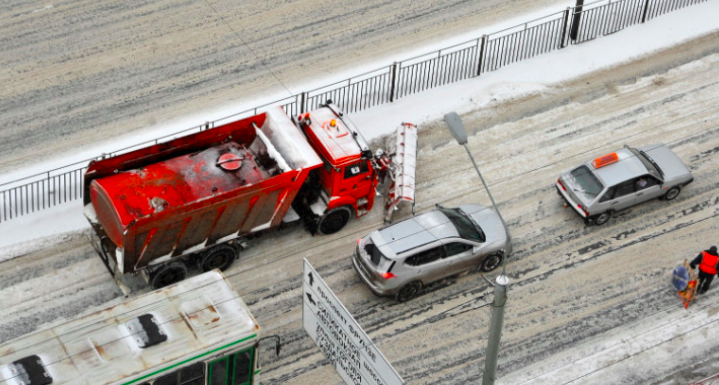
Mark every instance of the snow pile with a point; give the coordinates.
(297, 151)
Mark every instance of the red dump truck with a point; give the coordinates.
(195, 200)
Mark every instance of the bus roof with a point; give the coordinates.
(189, 319)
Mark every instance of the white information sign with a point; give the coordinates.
(339, 336)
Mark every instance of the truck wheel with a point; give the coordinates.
(672, 193)
(219, 257)
(408, 291)
(491, 262)
(334, 220)
(602, 218)
(168, 274)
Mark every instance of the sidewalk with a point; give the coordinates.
(645, 349)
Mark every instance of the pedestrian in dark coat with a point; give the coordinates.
(708, 261)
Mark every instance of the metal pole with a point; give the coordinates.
(495, 330)
(509, 238)
(393, 81)
(576, 16)
(481, 54)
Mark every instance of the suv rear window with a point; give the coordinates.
(587, 183)
(374, 254)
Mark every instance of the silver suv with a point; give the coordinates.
(622, 179)
(402, 258)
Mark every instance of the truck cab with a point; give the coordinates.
(346, 184)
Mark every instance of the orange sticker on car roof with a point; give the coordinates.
(605, 160)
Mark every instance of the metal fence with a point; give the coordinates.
(459, 62)
(525, 41)
(52, 190)
(355, 94)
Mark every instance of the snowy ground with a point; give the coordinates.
(586, 305)
(514, 82)
(76, 74)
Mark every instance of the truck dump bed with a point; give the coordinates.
(181, 196)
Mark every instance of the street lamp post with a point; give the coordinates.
(456, 127)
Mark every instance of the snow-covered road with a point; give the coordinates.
(75, 73)
(583, 301)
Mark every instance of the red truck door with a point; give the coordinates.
(357, 182)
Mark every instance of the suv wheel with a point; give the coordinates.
(491, 262)
(602, 218)
(408, 291)
(672, 193)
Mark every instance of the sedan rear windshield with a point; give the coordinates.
(648, 162)
(465, 227)
(585, 183)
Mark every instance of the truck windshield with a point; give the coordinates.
(585, 183)
(464, 225)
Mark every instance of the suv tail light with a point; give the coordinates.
(388, 275)
(559, 181)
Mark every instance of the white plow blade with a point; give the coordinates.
(402, 169)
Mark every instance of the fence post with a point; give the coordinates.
(564, 36)
(576, 16)
(302, 102)
(481, 54)
(644, 13)
(393, 82)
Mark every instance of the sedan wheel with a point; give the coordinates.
(602, 218)
(672, 193)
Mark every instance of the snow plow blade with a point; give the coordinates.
(402, 170)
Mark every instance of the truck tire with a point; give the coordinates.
(168, 274)
(218, 257)
(334, 220)
(408, 291)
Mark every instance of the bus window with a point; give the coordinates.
(243, 366)
(193, 374)
(190, 375)
(235, 369)
(169, 379)
(218, 371)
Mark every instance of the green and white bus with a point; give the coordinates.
(195, 332)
